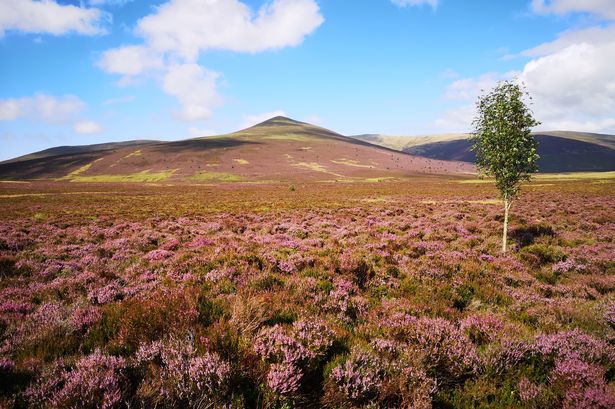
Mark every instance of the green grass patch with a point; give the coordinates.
(555, 177)
(215, 177)
(140, 177)
(289, 137)
(350, 162)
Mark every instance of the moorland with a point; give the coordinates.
(363, 293)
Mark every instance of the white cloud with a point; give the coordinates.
(187, 27)
(10, 109)
(178, 31)
(130, 60)
(45, 108)
(574, 85)
(251, 120)
(606, 125)
(571, 79)
(87, 127)
(49, 17)
(592, 35)
(600, 8)
(580, 77)
(195, 88)
(405, 3)
(457, 119)
(470, 88)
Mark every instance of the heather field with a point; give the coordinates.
(338, 295)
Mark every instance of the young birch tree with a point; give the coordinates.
(504, 146)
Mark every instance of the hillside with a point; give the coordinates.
(279, 149)
(560, 151)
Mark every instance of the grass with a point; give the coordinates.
(289, 137)
(316, 167)
(378, 179)
(418, 248)
(140, 177)
(350, 162)
(216, 177)
(77, 172)
(241, 161)
(482, 201)
(556, 176)
(135, 153)
(576, 176)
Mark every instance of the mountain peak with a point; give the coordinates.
(280, 120)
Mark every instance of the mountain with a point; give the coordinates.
(560, 151)
(279, 149)
(68, 150)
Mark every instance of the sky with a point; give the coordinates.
(94, 71)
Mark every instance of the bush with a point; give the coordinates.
(127, 324)
(9, 269)
(540, 254)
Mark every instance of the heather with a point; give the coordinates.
(359, 295)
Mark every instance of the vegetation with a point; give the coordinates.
(331, 295)
(139, 177)
(215, 177)
(504, 145)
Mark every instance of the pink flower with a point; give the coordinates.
(359, 377)
(158, 255)
(284, 379)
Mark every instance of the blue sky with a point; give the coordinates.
(81, 72)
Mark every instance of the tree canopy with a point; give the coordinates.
(503, 143)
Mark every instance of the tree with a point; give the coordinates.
(504, 146)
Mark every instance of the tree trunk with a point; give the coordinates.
(507, 204)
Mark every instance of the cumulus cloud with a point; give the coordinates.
(49, 17)
(178, 31)
(130, 60)
(87, 127)
(251, 120)
(405, 3)
(571, 79)
(195, 88)
(578, 80)
(593, 35)
(45, 108)
(470, 88)
(600, 8)
(457, 119)
(187, 27)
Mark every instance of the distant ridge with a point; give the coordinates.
(67, 150)
(276, 150)
(560, 151)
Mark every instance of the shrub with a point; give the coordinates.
(359, 378)
(8, 267)
(97, 381)
(542, 253)
(176, 376)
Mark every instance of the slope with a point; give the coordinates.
(279, 149)
(560, 151)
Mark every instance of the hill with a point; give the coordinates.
(279, 149)
(560, 151)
